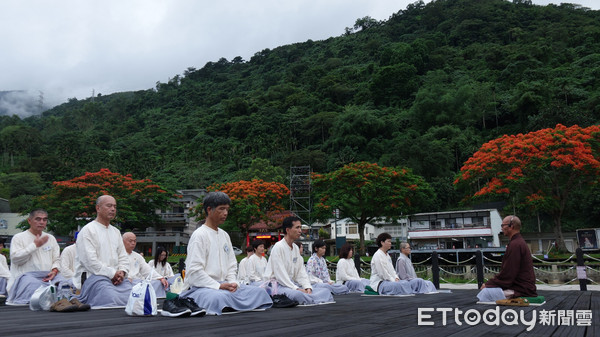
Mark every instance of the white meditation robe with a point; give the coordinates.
(210, 259)
(382, 268)
(256, 267)
(67, 261)
(243, 271)
(287, 266)
(139, 269)
(405, 269)
(4, 271)
(100, 251)
(346, 271)
(26, 257)
(166, 271)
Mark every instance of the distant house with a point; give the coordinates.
(178, 225)
(8, 224)
(455, 229)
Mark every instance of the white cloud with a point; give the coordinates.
(68, 48)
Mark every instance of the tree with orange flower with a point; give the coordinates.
(365, 192)
(539, 169)
(251, 202)
(72, 203)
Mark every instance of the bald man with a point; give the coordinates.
(140, 270)
(516, 277)
(101, 264)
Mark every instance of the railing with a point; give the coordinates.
(478, 268)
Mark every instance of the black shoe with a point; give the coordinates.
(282, 301)
(170, 308)
(186, 302)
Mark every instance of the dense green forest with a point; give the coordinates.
(423, 89)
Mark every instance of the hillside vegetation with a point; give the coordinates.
(423, 89)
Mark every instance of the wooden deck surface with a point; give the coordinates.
(351, 315)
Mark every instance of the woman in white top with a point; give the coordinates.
(162, 267)
(257, 264)
(383, 275)
(346, 272)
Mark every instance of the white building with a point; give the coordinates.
(455, 229)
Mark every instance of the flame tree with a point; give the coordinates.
(365, 192)
(72, 203)
(538, 170)
(251, 202)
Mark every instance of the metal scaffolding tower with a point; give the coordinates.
(300, 188)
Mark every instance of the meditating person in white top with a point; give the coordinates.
(242, 275)
(67, 261)
(4, 271)
(286, 269)
(346, 272)
(318, 273)
(139, 270)
(383, 276)
(34, 259)
(162, 267)
(211, 265)
(257, 264)
(406, 271)
(101, 264)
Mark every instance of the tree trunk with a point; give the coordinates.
(361, 235)
(560, 241)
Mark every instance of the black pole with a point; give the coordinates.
(479, 268)
(435, 270)
(357, 263)
(581, 270)
(181, 266)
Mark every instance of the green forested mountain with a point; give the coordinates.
(423, 89)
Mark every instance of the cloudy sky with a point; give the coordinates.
(69, 48)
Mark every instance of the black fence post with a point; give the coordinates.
(357, 263)
(435, 270)
(581, 274)
(181, 267)
(479, 268)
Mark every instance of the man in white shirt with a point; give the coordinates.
(383, 276)
(211, 265)
(34, 259)
(406, 271)
(286, 270)
(140, 270)
(101, 264)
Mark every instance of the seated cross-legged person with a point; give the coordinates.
(4, 271)
(242, 275)
(163, 267)
(318, 274)
(257, 264)
(67, 261)
(346, 272)
(286, 269)
(34, 260)
(211, 265)
(406, 271)
(101, 264)
(516, 277)
(139, 270)
(383, 276)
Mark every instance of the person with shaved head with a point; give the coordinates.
(101, 264)
(138, 268)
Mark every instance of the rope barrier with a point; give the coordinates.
(451, 273)
(553, 262)
(457, 263)
(591, 258)
(493, 261)
(554, 272)
(429, 258)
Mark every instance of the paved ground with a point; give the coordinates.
(351, 315)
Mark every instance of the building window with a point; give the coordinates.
(351, 228)
(3, 224)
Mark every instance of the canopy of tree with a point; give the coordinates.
(423, 89)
